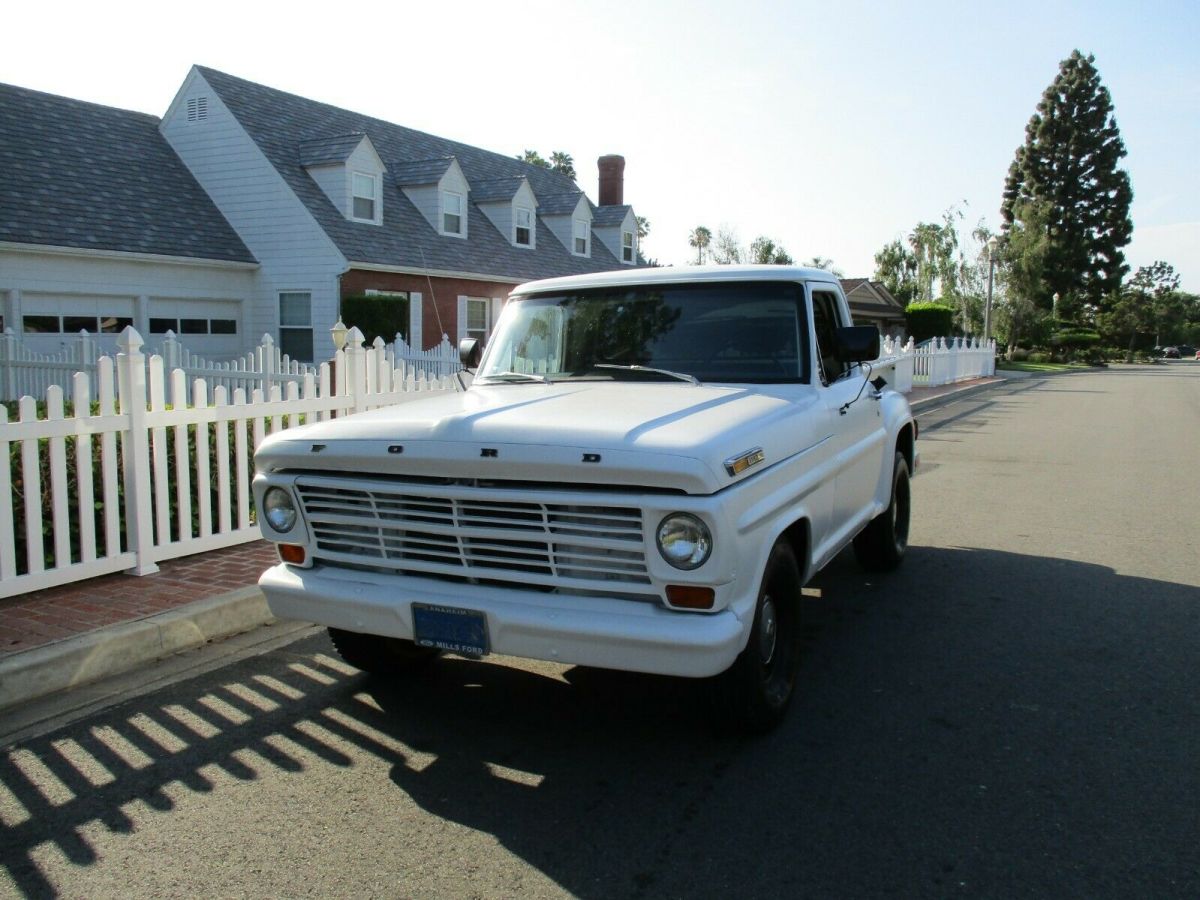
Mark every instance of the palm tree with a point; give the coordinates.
(700, 238)
(563, 164)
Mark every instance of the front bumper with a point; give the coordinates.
(592, 631)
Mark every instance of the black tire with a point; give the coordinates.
(381, 655)
(753, 694)
(882, 544)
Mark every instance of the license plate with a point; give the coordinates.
(450, 628)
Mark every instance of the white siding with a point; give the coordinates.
(332, 180)
(78, 283)
(294, 252)
(611, 236)
(563, 227)
(425, 197)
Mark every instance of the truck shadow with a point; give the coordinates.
(965, 720)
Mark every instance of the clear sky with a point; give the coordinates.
(832, 127)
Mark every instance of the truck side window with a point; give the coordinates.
(826, 321)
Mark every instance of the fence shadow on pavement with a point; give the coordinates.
(969, 718)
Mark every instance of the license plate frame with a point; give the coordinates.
(451, 628)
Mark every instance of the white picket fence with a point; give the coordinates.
(26, 372)
(941, 361)
(150, 465)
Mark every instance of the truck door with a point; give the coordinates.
(856, 426)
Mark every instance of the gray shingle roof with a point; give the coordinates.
(75, 174)
(325, 151)
(278, 122)
(558, 204)
(495, 189)
(609, 216)
(422, 171)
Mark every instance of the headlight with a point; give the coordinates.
(279, 509)
(684, 541)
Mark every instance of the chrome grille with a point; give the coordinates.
(448, 532)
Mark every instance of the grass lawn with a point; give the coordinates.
(1039, 367)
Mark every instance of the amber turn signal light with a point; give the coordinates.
(292, 553)
(686, 596)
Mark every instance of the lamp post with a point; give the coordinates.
(338, 334)
(992, 244)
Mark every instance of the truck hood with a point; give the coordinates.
(672, 436)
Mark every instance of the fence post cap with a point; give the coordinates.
(129, 340)
(354, 337)
(267, 340)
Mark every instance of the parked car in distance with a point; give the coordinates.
(1170, 353)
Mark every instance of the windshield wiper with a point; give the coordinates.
(682, 376)
(516, 377)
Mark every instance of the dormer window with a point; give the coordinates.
(627, 246)
(582, 229)
(452, 213)
(524, 227)
(365, 196)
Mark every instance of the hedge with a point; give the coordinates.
(928, 320)
(376, 316)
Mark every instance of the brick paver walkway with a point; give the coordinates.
(55, 614)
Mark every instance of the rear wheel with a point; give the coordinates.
(380, 655)
(882, 544)
(753, 694)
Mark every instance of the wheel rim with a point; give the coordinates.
(768, 632)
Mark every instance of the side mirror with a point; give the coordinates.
(857, 343)
(469, 352)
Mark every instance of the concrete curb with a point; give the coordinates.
(942, 399)
(117, 649)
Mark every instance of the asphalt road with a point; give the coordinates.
(1016, 712)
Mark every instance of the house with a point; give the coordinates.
(873, 304)
(298, 205)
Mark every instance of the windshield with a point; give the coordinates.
(726, 332)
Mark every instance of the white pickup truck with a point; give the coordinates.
(644, 472)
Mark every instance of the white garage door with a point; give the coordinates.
(210, 328)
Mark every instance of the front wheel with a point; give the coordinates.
(380, 655)
(882, 544)
(753, 694)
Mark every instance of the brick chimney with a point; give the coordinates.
(612, 180)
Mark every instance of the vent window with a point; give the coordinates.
(197, 109)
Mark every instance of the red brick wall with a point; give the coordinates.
(446, 292)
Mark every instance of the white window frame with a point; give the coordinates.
(487, 319)
(517, 225)
(584, 226)
(374, 198)
(296, 327)
(628, 247)
(462, 214)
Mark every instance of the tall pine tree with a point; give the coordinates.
(1068, 166)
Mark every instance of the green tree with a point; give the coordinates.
(533, 158)
(1069, 163)
(896, 267)
(1148, 305)
(559, 162)
(699, 239)
(824, 262)
(726, 250)
(1024, 314)
(764, 251)
(563, 164)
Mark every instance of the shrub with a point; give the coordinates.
(1039, 356)
(376, 316)
(1019, 355)
(927, 320)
